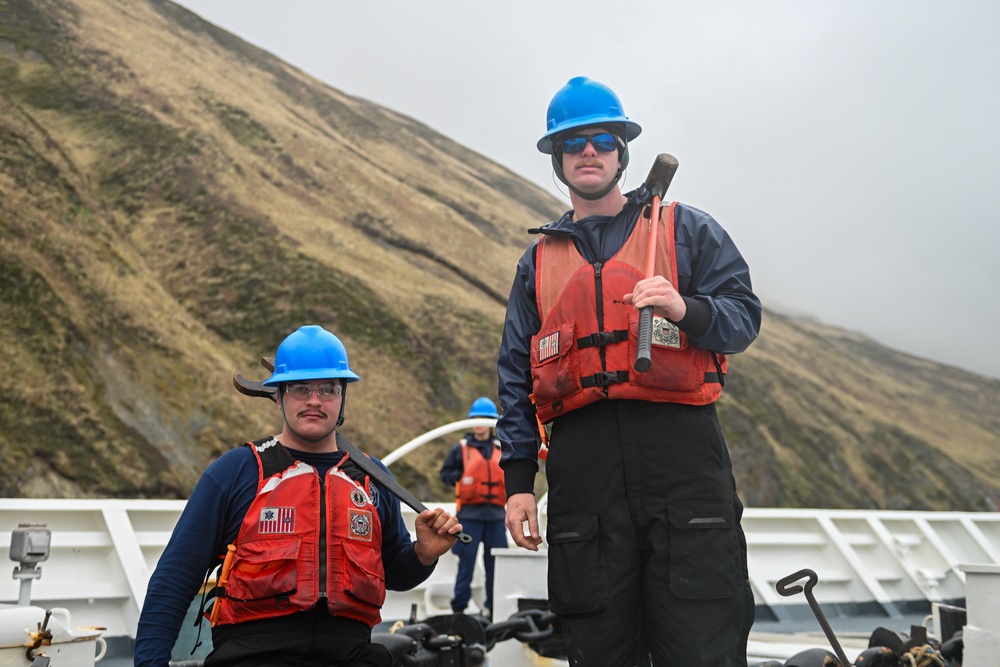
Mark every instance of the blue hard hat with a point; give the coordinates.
(483, 407)
(583, 102)
(311, 353)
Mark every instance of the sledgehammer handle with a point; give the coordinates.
(664, 168)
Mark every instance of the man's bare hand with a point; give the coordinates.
(521, 507)
(436, 530)
(661, 295)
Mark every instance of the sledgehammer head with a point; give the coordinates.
(664, 168)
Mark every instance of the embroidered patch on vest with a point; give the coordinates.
(666, 333)
(548, 346)
(358, 497)
(360, 522)
(276, 520)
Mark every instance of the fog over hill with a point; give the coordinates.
(852, 164)
(174, 201)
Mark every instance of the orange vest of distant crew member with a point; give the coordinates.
(482, 479)
(277, 567)
(586, 346)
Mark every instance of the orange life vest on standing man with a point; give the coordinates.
(586, 346)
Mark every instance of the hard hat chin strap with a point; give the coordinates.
(592, 196)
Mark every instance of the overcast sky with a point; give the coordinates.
(850, 147)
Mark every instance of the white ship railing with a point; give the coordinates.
(103, 551)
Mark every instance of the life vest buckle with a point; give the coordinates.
(602, 338)
(604, 379)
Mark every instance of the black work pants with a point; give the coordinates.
(305, 639)
(646, 553)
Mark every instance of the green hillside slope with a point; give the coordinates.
(174, 201)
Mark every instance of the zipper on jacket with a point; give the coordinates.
(599, 292)
(322, 536)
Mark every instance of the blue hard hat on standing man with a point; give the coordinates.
(583, 102)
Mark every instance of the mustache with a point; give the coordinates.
(589, 163)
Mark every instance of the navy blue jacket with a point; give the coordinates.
(723, 313)
(211, 520)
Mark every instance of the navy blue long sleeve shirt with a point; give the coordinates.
(724, 314)
(211, 520)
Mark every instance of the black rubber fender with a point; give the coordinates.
(878, 656)
(814, 657)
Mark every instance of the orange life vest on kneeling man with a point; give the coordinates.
(277, 567)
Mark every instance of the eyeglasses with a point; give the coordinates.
(602, 143)
(326, 391)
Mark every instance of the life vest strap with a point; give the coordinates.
(602, 338)
(615, 377)
(720, 376)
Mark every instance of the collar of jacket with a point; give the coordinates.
(565, 224)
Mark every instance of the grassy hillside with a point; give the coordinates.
(174, 201)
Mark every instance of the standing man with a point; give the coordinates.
(313, 542)
(473, 468)
(645, 550)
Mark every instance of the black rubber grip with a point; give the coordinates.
(642, 360)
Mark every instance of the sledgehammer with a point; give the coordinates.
(664, 168)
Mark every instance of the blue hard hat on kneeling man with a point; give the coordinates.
(311, 353)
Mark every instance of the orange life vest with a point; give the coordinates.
(277, 568)
(482, 479)
(586, 346)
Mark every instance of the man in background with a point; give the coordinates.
(473, 468)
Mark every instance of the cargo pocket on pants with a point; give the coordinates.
(576, 579)
(703, 550)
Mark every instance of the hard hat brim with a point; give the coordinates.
(314, 374)
(632, 129)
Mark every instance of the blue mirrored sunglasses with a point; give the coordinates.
(602, 143)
